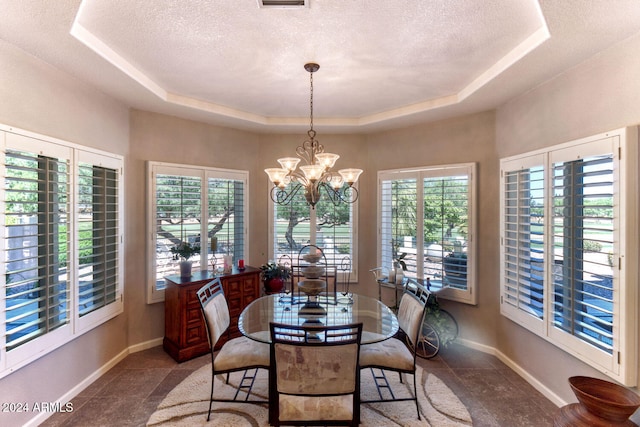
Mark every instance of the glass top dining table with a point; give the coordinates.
(378, 321)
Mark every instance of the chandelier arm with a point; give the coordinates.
(346, 194)
(328, 176)
(305, 152)
(282, 196)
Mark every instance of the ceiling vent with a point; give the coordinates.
(284, 3)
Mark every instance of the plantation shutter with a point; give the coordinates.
(98, 230)
(523, 238)
(226, 203)
(446, 202)
(36, 250)
(177, 217)
(334, 236)
(583, 236)
(292, 228)
(328, 226)
(398, 212)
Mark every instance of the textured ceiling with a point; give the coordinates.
(383, 63)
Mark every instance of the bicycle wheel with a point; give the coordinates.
(428, 343)
(449, 331)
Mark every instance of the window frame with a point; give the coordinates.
(468, 296)
(343, 277)
(154, 294)
(622, 144)
(23, 140)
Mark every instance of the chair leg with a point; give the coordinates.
(415, 394)
(211, 397)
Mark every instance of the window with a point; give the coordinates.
(427, 217)
(187, 203)
(563, 252)
(98, 237)
(62, 243)
(330, 227)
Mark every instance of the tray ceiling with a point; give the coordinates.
(383, 63)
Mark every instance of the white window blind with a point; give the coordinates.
(523, 241)
(226, 218)
(37, 197)
(446, 221)
(178, 215)
(567, 273)
(583, 236)
(330, 227)
(61, 242)
(426, 218)
(98, 225)
(205, 207)
(399, 199)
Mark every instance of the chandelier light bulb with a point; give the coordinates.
(289, 163)
(336, 182)
(276, 175)
(327, 159)
(351, 175)
(312, 172)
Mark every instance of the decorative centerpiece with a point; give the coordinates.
(312, 285)
(601, 403)
(183, 251)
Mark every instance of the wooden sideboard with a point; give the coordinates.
(185, 334)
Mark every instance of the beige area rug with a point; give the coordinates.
(188, 403)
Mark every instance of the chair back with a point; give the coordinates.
(215, 310)
(316, 360)
(412, 310)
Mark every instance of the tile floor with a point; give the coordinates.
(128, 394)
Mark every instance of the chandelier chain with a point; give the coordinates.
(311, 101)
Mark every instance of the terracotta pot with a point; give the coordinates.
(273, 285)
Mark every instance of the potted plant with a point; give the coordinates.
(183, 251)
(440, 321)
(274, 275)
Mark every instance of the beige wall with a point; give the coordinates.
(163, 138)
(39, 98)
(458, 140)
(601, 94)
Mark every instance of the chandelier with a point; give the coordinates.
(314, 177)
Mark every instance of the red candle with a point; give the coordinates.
(240, 264)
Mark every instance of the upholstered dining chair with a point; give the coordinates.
(393, 354)
(315, 378)
(237, 354)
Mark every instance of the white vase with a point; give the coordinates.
(392, 276)
(185, 268)
(399, 275)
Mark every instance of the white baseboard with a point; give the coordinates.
(67, 397)
(517, 369)
(146, 345)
